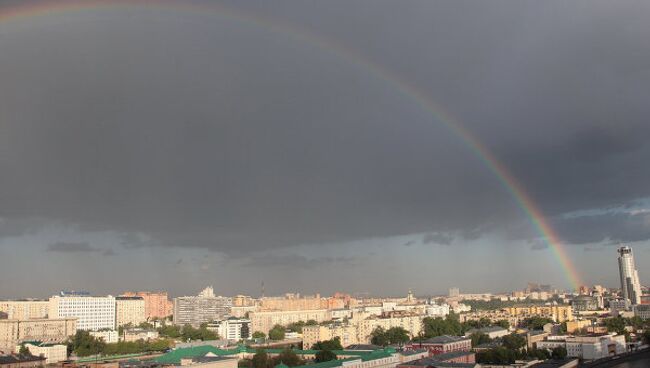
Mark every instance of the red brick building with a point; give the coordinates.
(442, 344)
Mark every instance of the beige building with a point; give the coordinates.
(573, 326)
(558, 313)
(25, 309)
(129, 310)
(264, 321)
(135, 334)
(156, 303)
(53, 353)
(13, 332)
(359, 328)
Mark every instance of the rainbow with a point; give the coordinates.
(23, 9)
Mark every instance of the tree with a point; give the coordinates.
(311, 322)
(437, 326)
(559, 352)
(288, 357)
(325, 356)
(259, 335)
(260, 359)
(479, 338)
(499, 355)
(378, 336)
(616, 324)
(646, 337)
(171, 331)
(397, 336)
(503, 323)
(84, 344)
(277, 333)
(296, 326)
(333, 344)
(24, 351)
(513, 341)
(536, 323)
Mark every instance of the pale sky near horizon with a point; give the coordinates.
(161, 148)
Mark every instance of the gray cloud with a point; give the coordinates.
(71, 247)
(174, 129)
(297, 261)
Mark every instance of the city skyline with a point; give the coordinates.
(172, 145)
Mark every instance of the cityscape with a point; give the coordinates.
(538, 326)
(324, 184)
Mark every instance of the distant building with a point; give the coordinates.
(454, 292)
(156, 303)
(129, 310)
(204, 308)
(11, 361)
(630, 285)
(92, 312)
(55, 330)
(135, 334)
(492, 332)
(232, 328)
(263, 321)
(584, 303)
(558, 313)
(642, 311)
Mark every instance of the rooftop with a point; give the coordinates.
(444, 339)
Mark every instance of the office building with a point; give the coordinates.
(630, 284)
(203, 308)
(92, 312)
(129, 310)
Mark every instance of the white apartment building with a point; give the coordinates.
(92, 312)
(203, 308)
(232, 328)
(435, 310)
(109, 336)
(53, 353)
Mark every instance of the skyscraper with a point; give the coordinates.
(630, 285)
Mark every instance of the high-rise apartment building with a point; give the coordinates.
(92, 312)
(129, 310)
(156, 303)
(204, 308)
(630, 284)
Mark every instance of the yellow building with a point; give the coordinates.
(265, 320)
(558, 313)
(13, 332)
(347, 333)
(129, 310)
(573, 326)
(25, 309)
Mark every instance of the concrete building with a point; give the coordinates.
(535, 336)
(642, 311)
(25, 309)
(156, 303)
(53, 353)
(629, 276)
(442, 344)
(577, 325)
(347, 333)
(587, 347)
(203, 308)
(129, 310)
(11, 361)
(409, 322)
(14, 332)
(584, 303)
(92, 312)
(265, 320)
(232, 328)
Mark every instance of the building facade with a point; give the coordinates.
(47, 330)
(53, 353)
(442, 344)
(92, 312)
(629, 276)
(129, 310)
(587, 347)
(265, 320)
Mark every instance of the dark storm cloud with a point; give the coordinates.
(297, 261)
(612, 228)
(229, 137)
(65, 247)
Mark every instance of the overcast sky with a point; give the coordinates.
(162, 148)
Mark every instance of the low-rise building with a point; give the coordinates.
(535, 336)
(442, 344)
(11, 361)
(53, 353)
(492, 331)
(577, 325)
(587, 347)
(135, 334)
(109, 336)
